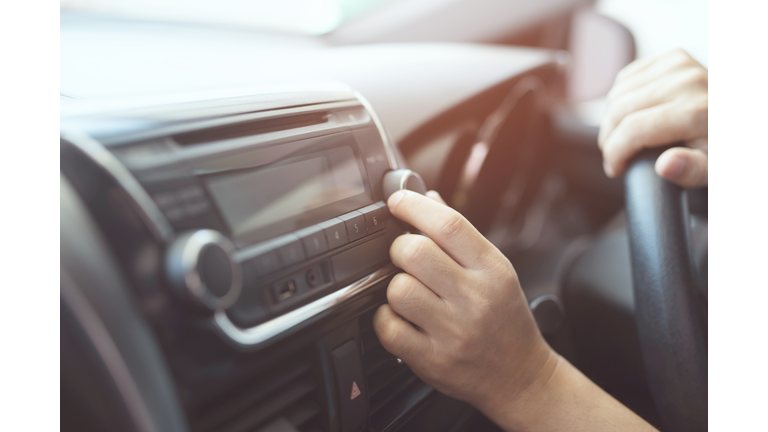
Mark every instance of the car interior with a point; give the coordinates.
(225, 236)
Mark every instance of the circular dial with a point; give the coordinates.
(403, 179)
(201, 269)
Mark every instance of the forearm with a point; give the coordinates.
(566, 401)
(459, 318)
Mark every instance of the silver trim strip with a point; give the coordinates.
(380, 126)
(265, 331)
(148, 210)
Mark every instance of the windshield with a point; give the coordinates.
(299, 16)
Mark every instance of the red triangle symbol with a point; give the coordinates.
(355, 391)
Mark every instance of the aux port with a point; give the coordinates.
(287, 290)
(313, 278)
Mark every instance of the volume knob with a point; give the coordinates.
(403, 179)
(202, 271)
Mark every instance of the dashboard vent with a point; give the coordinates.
(252, 127)
(284, 397)
(394, 392)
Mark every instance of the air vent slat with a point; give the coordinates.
(403, 405)
(252, 127)
(275, 404)
(244, 396)
(374, 354)
(302, 412)
(382, 398)
(393, 389)
(377, 359)
(286, 394)
(384, 376)
(368, 338)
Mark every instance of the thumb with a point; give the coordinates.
(683, 166)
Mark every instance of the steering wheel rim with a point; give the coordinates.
(671, 321)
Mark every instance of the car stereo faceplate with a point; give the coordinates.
(269, 211)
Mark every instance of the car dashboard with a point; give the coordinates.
(223, 251)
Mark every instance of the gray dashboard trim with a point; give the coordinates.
(389, 145)
(97, 293)
(204, 152)
(162, 230)
(266, 331)
(108, 351)
(149, 211)
(146, 207)
(200, 120)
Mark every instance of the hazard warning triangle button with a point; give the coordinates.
(355, 391)
(353, 407)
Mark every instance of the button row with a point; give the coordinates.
(308, 242)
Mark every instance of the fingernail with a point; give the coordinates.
(395, 198)
(675, 168)
(608, 170)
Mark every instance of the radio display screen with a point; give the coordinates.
(268, 201)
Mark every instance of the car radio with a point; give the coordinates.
(272, 207)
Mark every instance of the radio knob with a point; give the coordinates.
(403, 179)
(202, 271)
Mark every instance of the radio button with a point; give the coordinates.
(335, 232)
(265, 263)
(313, 239)
(292, 252)
(375, 215)
(261, 259)
(355, 223)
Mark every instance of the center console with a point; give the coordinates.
(255, 235)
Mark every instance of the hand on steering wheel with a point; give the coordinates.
(655, 102)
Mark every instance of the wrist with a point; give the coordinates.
(562, 398)
(520, 404)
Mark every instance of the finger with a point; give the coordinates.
(653, 127)
(618, 109)
(420, 257)
(445, 226)
(399, 337)
(436, 196)
(413, 301)
(650, 95)
(658, 69)
(634, 67)
(685, 167)
(639, 65)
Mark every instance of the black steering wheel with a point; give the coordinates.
(671, 315)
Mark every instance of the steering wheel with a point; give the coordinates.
(671, 316)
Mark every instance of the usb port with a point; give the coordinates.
(286, 290)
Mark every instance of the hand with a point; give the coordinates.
(655, 102)
(460, 321)
(472, 334)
